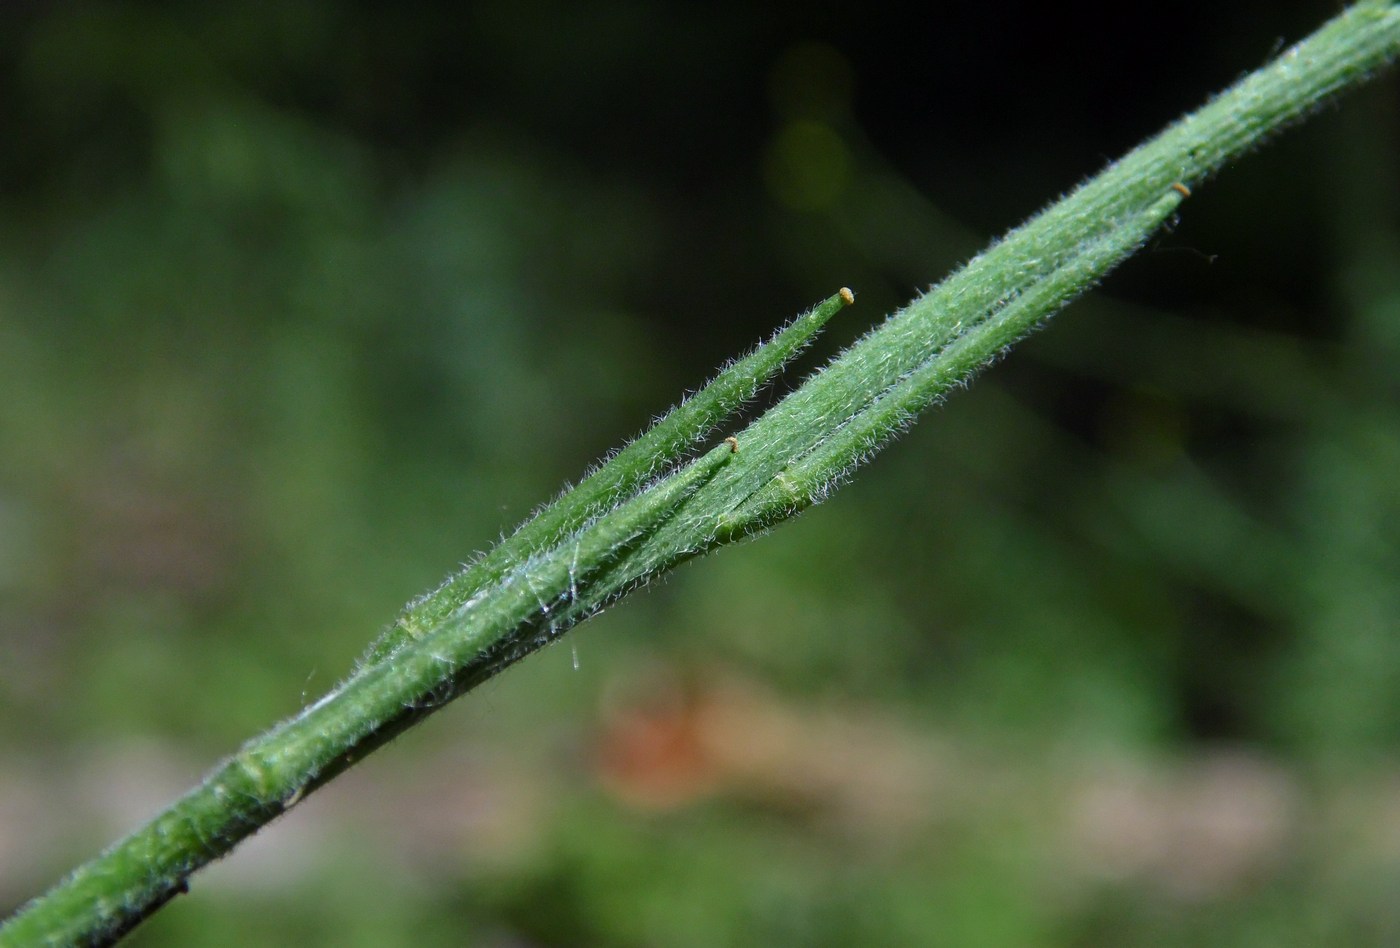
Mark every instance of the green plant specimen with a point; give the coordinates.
(648, 509)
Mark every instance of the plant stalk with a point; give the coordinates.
(625, 530)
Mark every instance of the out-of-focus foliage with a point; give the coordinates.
(302, 303)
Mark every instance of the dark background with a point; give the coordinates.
(300, 304)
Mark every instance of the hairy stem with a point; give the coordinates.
(617, 530)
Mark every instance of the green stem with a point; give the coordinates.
(589, 548)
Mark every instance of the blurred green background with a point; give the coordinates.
(302, 303)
